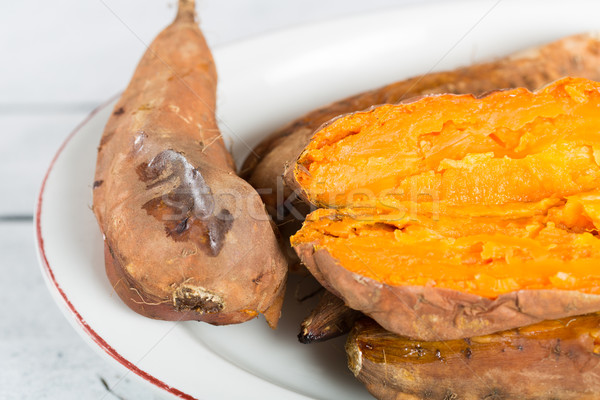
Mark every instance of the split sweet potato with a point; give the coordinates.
(557, 359)
(454, 216)
(185, 238)
(577, 55)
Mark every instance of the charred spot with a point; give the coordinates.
(119, 111)
(190, 298)
(187, 210)
(182, 226)
(556, 348)
(468, 353)
(97, 184)
(308, 337)
(258, 279)
(420, 351)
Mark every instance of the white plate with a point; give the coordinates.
(265, 82)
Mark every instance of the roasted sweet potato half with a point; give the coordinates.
(185, 237)
(557, 359)
(509, 146)
(457, 216)
(577, 55)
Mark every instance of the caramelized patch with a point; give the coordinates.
(186, 206)
(189, 297)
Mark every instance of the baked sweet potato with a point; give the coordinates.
(456, 216)
(577, 55)
(330, 318)
(557, 359)
(185, 238)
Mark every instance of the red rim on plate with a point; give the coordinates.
(46, 265)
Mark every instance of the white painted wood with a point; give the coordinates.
(70, 51)
(27, 144)
(41, 356)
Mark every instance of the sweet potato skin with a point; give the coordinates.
(428, 313)
(329, 319)
(559, 360)
(185, 238)
(577, 55)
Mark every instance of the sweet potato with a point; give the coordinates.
(577, 55)
(550, 360)
(456, 216)
(185, 238)
(330, 318)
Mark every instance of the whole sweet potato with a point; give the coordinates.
(455, 216)
(557, 359)
(185, 238)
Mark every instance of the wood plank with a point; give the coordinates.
(27, 145)
(65, 52)
(41, 356)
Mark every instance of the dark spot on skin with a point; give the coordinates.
(97, 184)
(420, 351)
(438, 354)
(428, 394)
(257, 280)
(187, 210)
(369, 346)
(119, 111)
(187, 299)
(468, 353)
(468, 341)
(182, 226)
(556, 349)
(520, 347)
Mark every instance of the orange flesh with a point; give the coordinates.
(484, 196)
(555, 248)
(511, 146)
